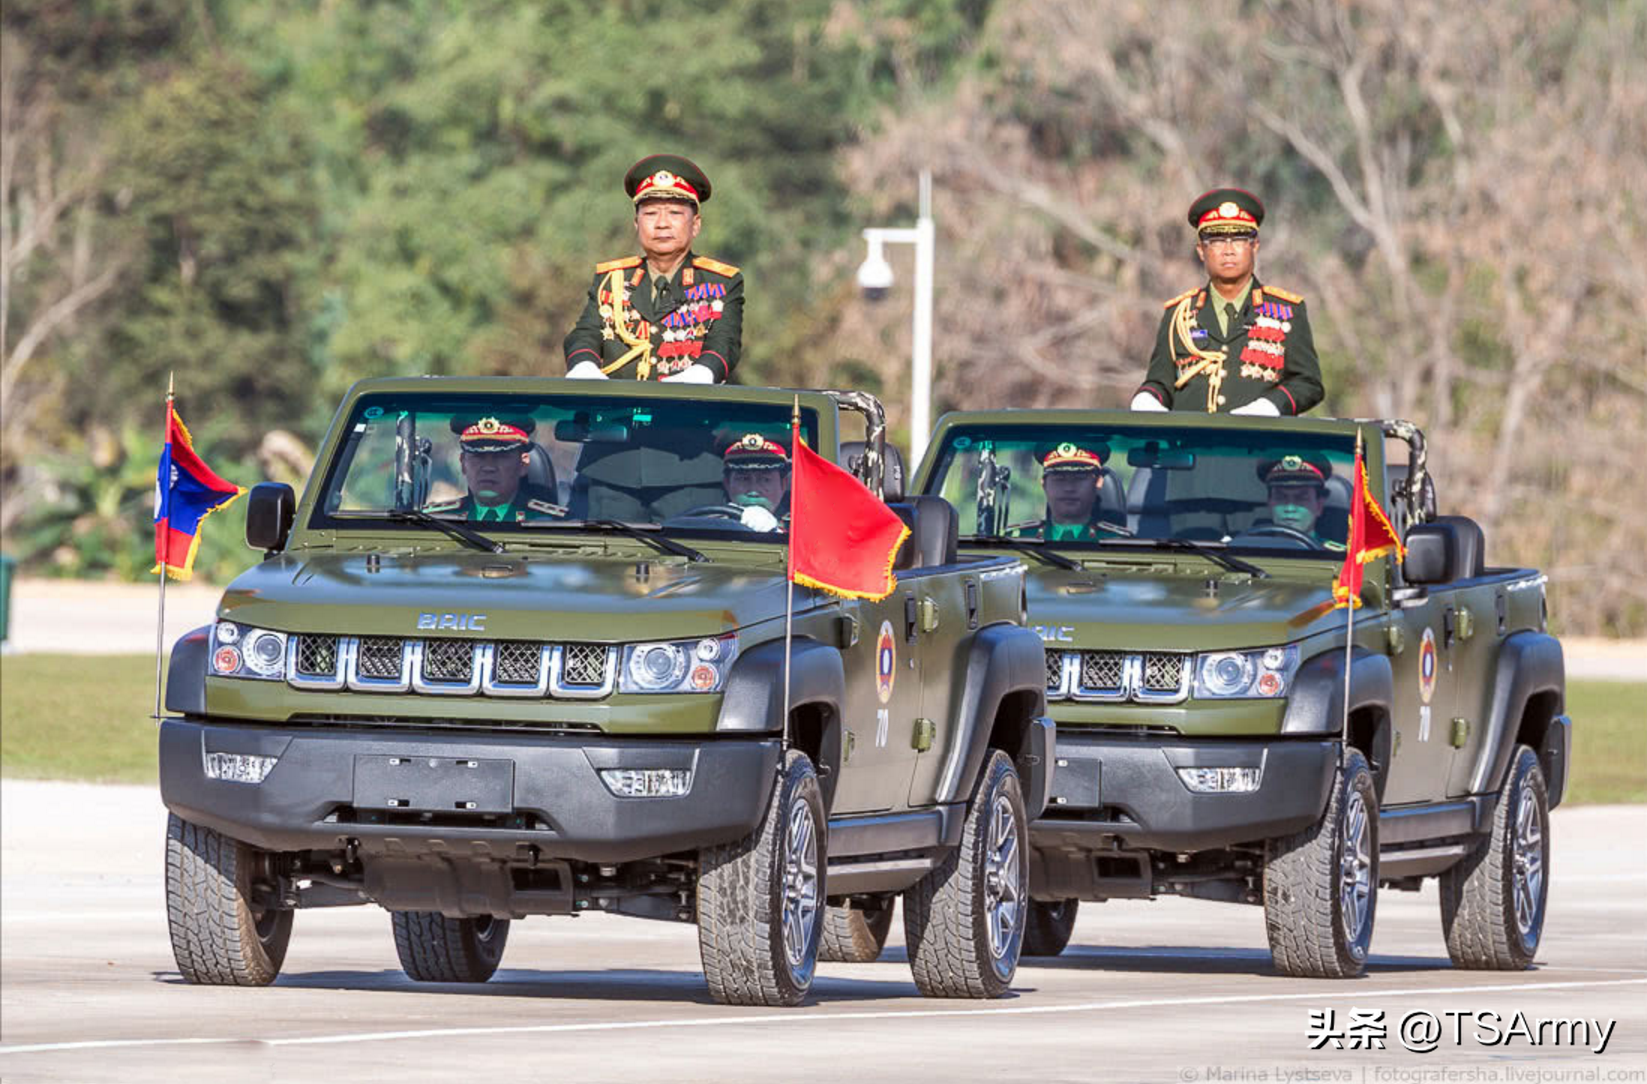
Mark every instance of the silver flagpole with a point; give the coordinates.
(160, 619)
(789, 564)
(1349, 611)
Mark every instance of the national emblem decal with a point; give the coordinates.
(1426, 666)
(886, 662)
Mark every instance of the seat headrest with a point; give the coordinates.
(934, 533)
(892, 480)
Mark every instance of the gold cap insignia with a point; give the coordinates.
(1066, 449)
(1292, 462)
(488, 425)
(665, 179)
(1228, 209)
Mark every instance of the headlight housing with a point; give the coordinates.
(678, 666)
(242, 651)
(1264, 674)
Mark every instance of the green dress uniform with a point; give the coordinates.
(1267, 352)
(530, 503)
(638, 327)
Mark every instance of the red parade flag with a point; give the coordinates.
(1371, 536)
(842, 538)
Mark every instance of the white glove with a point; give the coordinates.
(586, 370)
(757, 518)
(692, 374)
(1261, 408)
(1146, 402)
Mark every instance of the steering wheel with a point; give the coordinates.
(1276, 530)
(714, 511)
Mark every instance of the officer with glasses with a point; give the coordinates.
(1233, 345)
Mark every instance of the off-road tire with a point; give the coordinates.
(856, 935)
(434, 948)
(741, 899)
(218, 937)
(1049, 927)
(1478, 895)
(1303, 902)
(947, 915)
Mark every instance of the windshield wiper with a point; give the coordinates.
(1234, 564)
(1025, 545)
(661, 543)
(467, 535)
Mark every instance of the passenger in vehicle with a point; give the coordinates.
(494, 456)
(755, 475)
(1072, 477)
(1297, 486)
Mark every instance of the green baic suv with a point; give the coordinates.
(519, 649)
(1208, 742)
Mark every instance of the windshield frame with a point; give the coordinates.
(1334, 435)
(313, 523)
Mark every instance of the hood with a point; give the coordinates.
(1174, 611)
(516, 596)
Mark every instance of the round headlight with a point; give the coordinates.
(657, 666)
(265, 652)
(1226, 673)
(709, 649)
(226, 660)
(228, 632)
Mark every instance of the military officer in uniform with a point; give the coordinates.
(755, 475)
(1233, 345)
(494, 459)
(1297, 487)
(667, 314)
(1072, 477)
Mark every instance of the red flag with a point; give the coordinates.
(1371, 537)
(842, 539)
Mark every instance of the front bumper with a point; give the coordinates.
(556, 806)
(1110, 790)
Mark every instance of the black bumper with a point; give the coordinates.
(551, 799)
(1107, 789)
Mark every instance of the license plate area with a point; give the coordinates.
(1075, 782)
(434, 784)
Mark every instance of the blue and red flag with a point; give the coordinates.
(186, 491)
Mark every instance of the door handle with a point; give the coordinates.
(929, 614)
(910, 618)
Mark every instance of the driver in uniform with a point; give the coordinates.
(494, 457)
(1297, 486)
(1072, 477)
(755, 475)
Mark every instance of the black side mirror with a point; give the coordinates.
(1431, 554)
(269, 513)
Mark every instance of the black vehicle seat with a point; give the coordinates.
(1112, 499)
(1472, 546)
(933, 533)
(1146, 504)
(540, 470)
(1334, 522)
(893, 477)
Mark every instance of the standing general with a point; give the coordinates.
(667, 314)
(1232, 345)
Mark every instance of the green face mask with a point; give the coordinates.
(752, 500)
(1295, 516)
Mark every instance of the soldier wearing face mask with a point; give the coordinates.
(1297, 486)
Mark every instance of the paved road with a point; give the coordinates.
(81, 617)
(1167, 991)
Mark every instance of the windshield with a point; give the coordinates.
(1091, 486)
(514, 463)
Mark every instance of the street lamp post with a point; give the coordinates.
(875, 277)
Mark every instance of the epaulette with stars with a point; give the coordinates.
(716, 266)
(617, 265)
(1177, 299)
(1284, 295)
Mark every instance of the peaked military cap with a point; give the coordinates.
(1295, 470)
(666, 176)
(1069, 456)
(1226, 210)
(755, 452)
(490, 434)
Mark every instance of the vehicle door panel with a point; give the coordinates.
(956, 600)
(1424, 688)
(883, 698)
(1476, 655)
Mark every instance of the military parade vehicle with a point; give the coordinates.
(519, 649)
(1182, 579)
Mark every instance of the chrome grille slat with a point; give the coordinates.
(451, 667)
(315, 662)
(1111, 676)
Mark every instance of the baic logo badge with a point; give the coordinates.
(457, 622)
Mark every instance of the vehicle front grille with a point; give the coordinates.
(379, 657)
(317, 655)
(1110, 676)
(452, 667)
(583, 664)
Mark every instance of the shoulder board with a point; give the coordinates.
(617, 265)
(443, 506)
(546, 507)
(1180, 297)
(1284, 295)
(714, 265)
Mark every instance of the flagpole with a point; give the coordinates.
(789, 561)
(166, 552)
(1353, 600)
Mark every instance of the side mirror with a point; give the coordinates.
(269, 513)
(1430, 555)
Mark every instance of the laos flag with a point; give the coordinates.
(186, 491)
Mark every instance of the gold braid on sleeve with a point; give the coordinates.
(1210, 362)
(620, 325)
